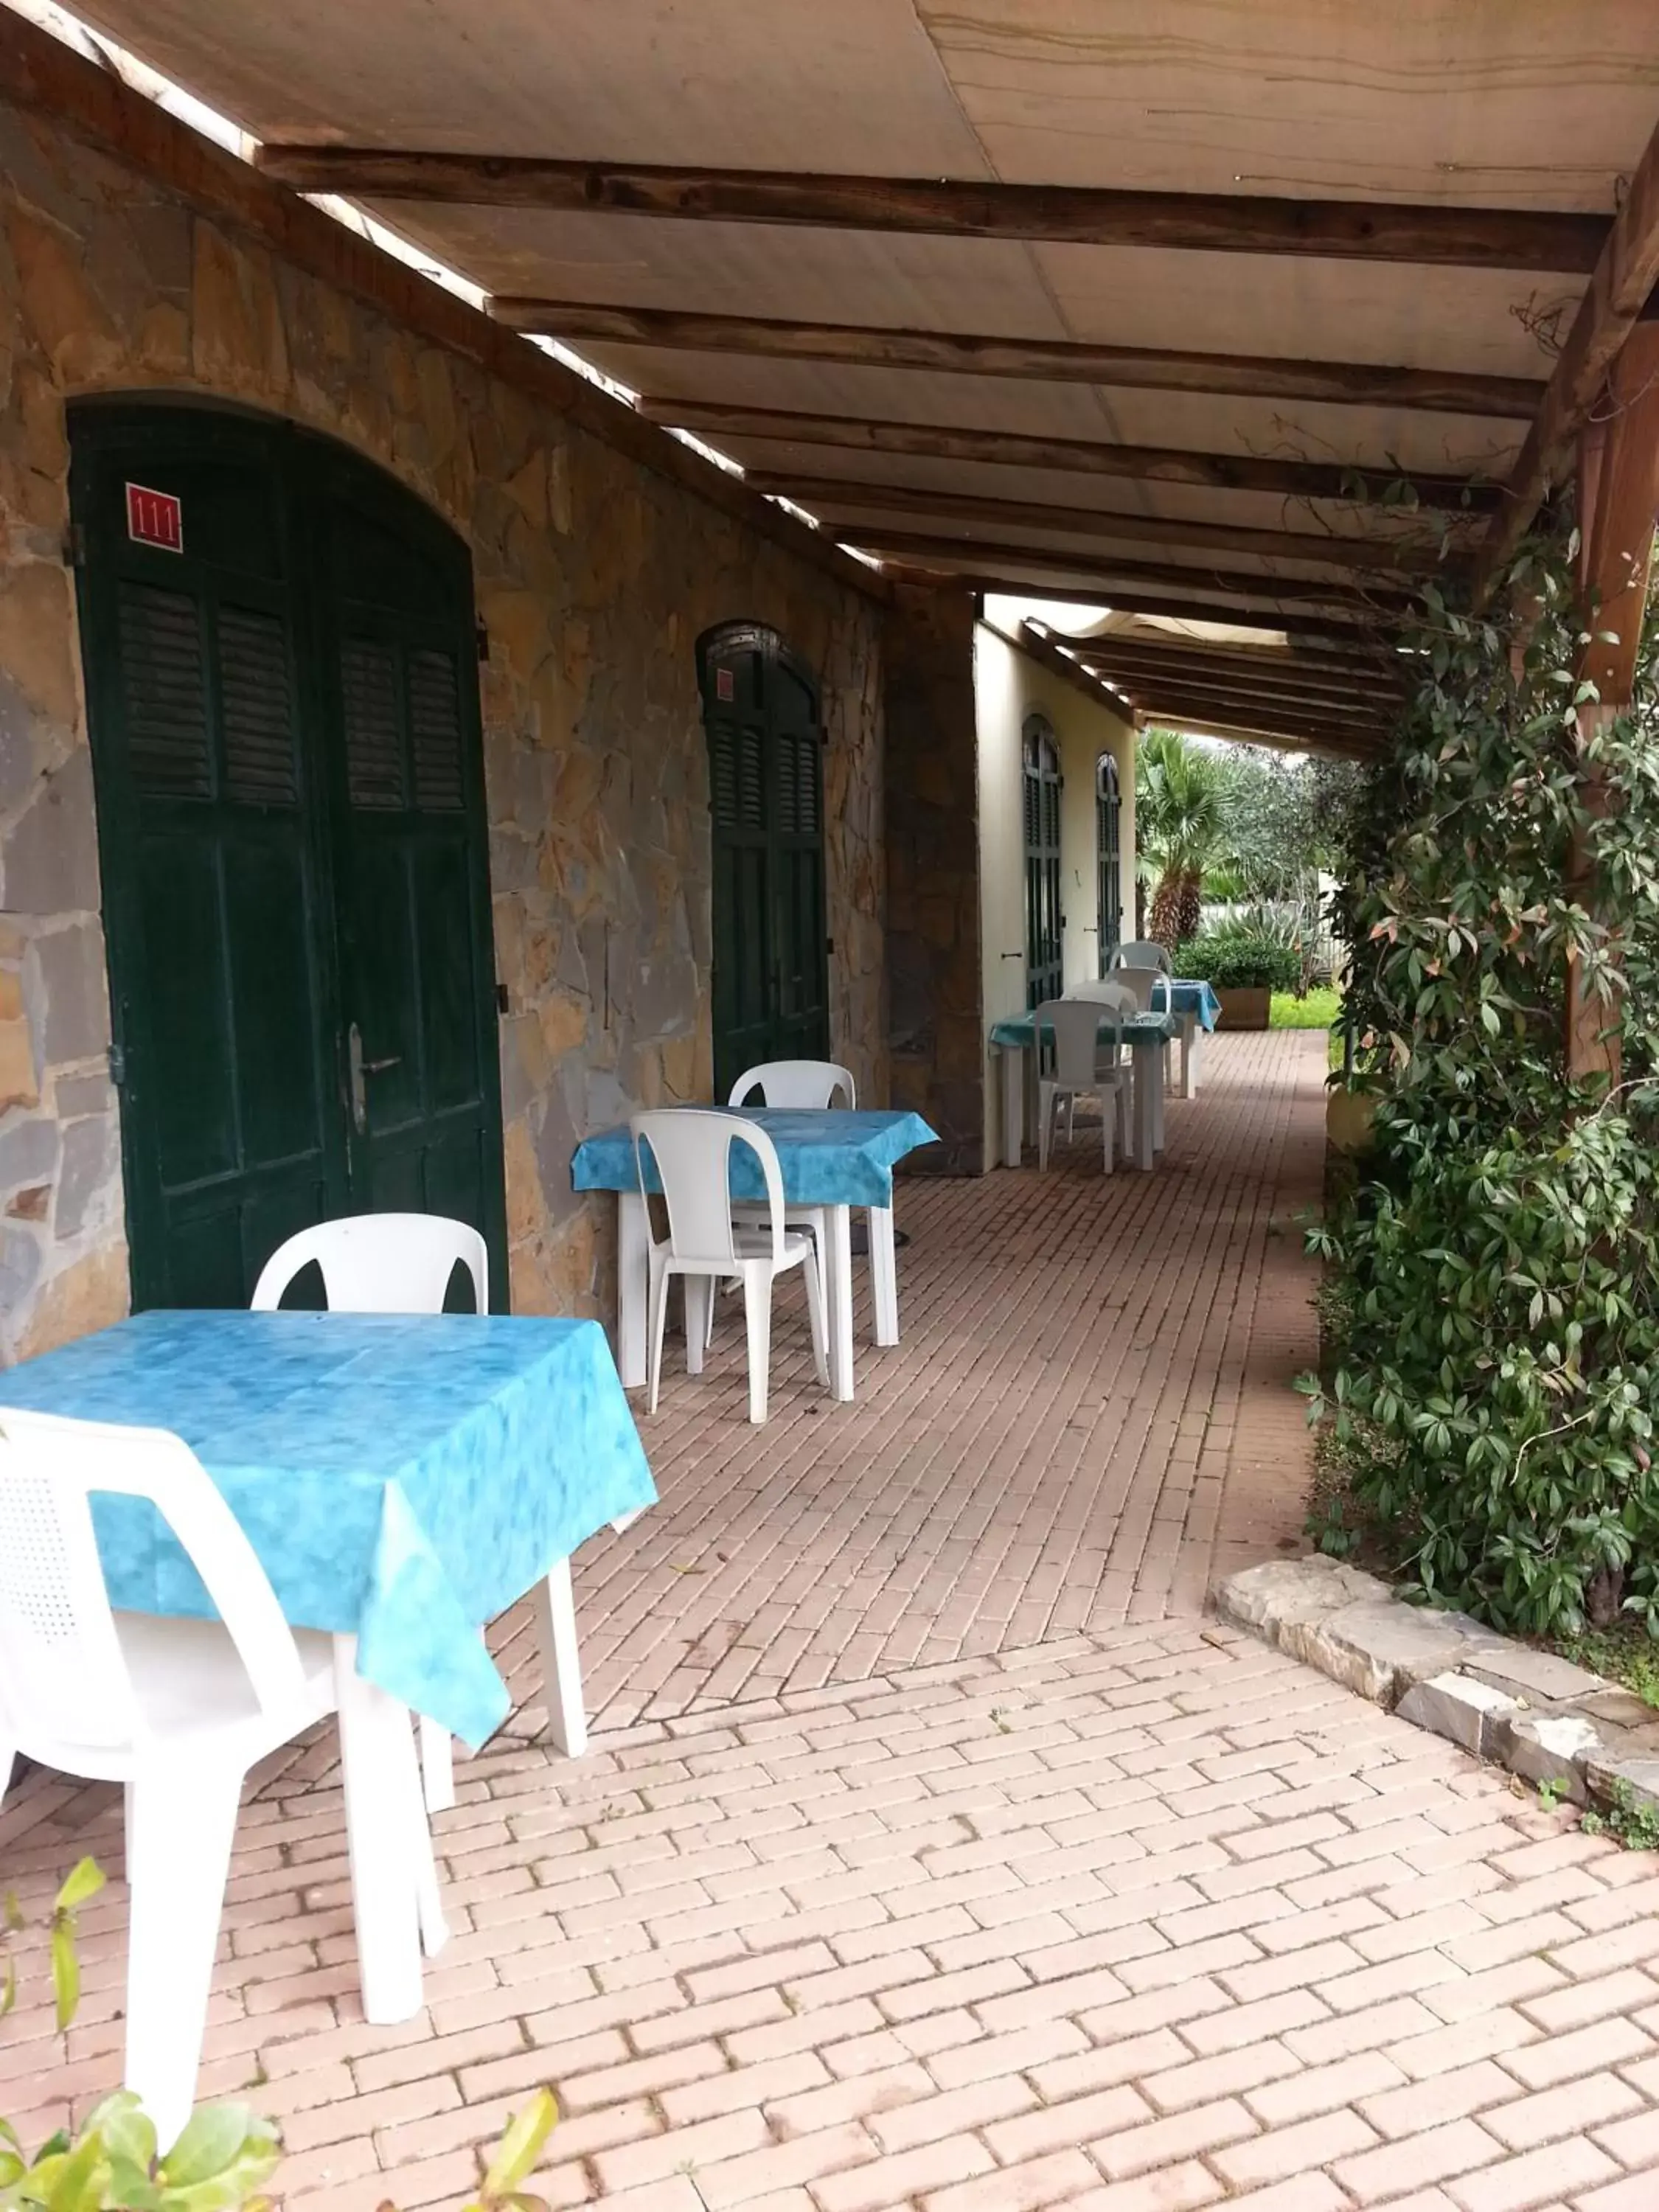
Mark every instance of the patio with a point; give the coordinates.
(933, 1849)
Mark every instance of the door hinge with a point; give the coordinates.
(828, 943)
(823, 737)
(502, 1005)
(480, 638)
(117, 1065)
(75, 546)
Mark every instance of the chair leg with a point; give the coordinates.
(699, 1304)
(182, 1824)
(1045, 1115)
(1109, 1127)
(561, 1672)
(656, 1322)
(437, 1765)
(883, 1272)
(758, 1314)
(817, 1317)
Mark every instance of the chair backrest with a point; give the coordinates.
(397, 1263)
(1143, 952)
(1074, 1025)
(812, 1083)
(64, 1687)
(1148, 987)
(1120, 995)
(691, 1146)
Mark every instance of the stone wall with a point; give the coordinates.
(933, 875)
(595, 575)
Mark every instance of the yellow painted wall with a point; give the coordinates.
(1008, 686)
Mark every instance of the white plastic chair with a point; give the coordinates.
(175, 1710)
(392, 1263)
(818, 1085)
(691, 1147)
(1075, 1072)
(1143, 952)
(402, 1263)
(1148, 986)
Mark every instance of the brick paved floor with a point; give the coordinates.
(1088, 1413)
(935, 1852)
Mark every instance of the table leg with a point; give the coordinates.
(838, 1299)
(561, 1671)
(382, 1804)
(633, 1230)
(1148, 1090)
(1013, 1105)
(1189, 1034)
(884, 1274)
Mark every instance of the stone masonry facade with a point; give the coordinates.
(595, 574)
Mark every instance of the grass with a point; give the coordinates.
(1316, 1012)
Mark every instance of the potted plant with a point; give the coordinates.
(1246, 968)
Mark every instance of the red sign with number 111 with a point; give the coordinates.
(155, 518)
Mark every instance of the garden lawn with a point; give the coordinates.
(1316, 1012)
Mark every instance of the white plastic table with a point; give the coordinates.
(834, 1159)
(1144, 1035)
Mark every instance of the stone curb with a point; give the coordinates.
(1539, 1716)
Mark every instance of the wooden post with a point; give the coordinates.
(1619, 498)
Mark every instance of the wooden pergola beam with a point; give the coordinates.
(1623, 282)
(1331, 630)
(1349, 663)
(1336, 743)
(1286, 479)
(1262, 591)
(1044, 650)
(1350, 690)
(1309, 706)
(832, 498)
(1545, 241)
(1165, 702)
(1065, 361)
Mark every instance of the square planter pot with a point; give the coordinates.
(1244, 1008)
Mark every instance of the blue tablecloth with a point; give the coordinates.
(402, 1477)
(1140, 1031)
(1190, 996)
(831, 1158)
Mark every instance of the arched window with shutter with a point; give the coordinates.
(770, 985)
(1043, 954)
(1108, 815)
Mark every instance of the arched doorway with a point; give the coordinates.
(770, 985)
(1108, 857)
(282, 686)
(1044, 956)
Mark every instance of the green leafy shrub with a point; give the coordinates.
(1240, 959)
(1499, 1356)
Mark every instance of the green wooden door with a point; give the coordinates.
(1108, 856)
(1044, 950)
(771, 953)
(235, 887)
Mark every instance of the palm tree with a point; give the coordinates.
(1181, 827)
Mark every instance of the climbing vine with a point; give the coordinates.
(1495, 1275)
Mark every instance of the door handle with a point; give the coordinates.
(360, 1068)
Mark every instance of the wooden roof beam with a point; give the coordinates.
(1044, 650)
(1542, 240)
(1626, 275)
(838, 496)
(1363, 685)
(1164, 702)
(1065, 361)
(1339, 631)
(1308, 706)
(1287, 479)
(1098, 564)
(1337, 744)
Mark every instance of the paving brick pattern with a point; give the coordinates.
(976, 1872)
(1148, 1920)
(1087, 1416)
